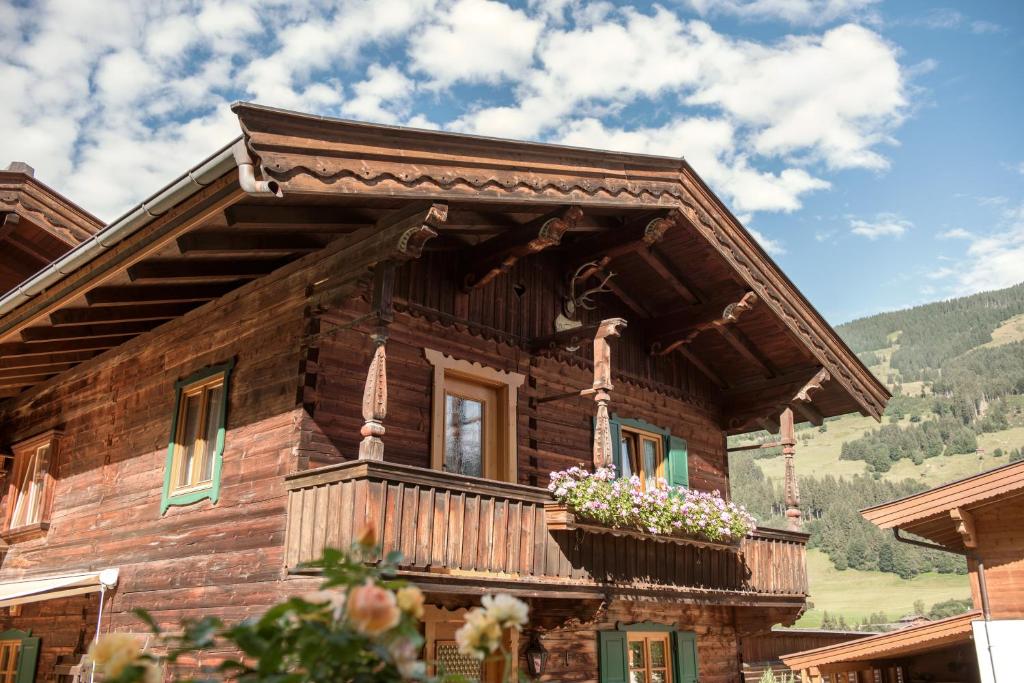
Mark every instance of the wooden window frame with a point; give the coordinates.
(23, 455)
(200, 380)
(28, 654)
(639, 436)
(614, 667)
(675, 449)
(504, 467)
(645, 637)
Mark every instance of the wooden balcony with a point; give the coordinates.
(465, 535)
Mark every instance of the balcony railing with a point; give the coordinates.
(460, 534)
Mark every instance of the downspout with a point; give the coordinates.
(986, 612)
(233, 155)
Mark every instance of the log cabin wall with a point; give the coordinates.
(115, 412)
(492, 326)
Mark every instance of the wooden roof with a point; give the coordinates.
(927, 514)
(37, 225)
(905, 642)
(683, 263)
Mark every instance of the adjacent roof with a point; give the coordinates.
(37, 225)
(909, 641)
(53, 587)
(927, 514)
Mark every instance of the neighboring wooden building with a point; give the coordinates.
(406, 330)
(980, 517)
(37, 225)
(764, 651)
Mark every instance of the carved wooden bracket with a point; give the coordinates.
(964, 521)
(701, 319)
(422, 227)
(802, 400)
(499, 254)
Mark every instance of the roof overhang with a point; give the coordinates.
(903, 643)
(939, 514)
(215, 237)
(54, 587)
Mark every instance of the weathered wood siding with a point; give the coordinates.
(1000, 531)
(491, 326)
(455, 526)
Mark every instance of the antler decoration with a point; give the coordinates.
(585, 299)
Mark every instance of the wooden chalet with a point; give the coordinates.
(330, 326)
(980, 517)
(37, 225)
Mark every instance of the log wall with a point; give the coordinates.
(1000, 531)
(491, 326)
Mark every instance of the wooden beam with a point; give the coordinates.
(20, 349)
(157, 294)
(576, 336)
(684, 289)
(203, 269)
(328, 219)
(703, 367)
(25, 380)
(809, 413)
(42, 360)
(793, 381)
(602, 387)
(33, 335)
(257, 243)
(28, 373)
(669, 332)
(497, 255)
(626, 239)
(115, 314)
(746, 348)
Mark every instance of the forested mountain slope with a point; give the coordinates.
(956, 369)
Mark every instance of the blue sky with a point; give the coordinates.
(873, 147)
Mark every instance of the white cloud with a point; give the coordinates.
(809, 12)
(773, 247)
(955, 234)
(982, 27)
(377, 98)
(992, 261)
(475, 41)
(883, 225)
(118, 102)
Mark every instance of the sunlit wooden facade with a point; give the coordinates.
(407, 331)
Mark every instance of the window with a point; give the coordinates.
(9, 651)
(473, 425)
(649, 452)
(30, 487)
(650, 659)
(197, 438)
(19, 654)
(647, 653)
(642, 453)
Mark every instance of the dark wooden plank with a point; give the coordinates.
(113, 314)
(156, 294)
(69, 332)
(234, 242)
(202, 269)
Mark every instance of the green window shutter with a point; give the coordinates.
(686, 656)
(27, 659)
(612, 653)
(678, 466)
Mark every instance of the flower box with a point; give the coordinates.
(560, 518)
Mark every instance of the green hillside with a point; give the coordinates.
(956, 370)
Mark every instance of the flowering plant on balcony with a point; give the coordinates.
(668, 510)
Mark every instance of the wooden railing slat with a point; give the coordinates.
(439, 523)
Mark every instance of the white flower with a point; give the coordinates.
(508, 611)
(479, 636)
(336, 599)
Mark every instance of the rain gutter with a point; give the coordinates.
(234, 155)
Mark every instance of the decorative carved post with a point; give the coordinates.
(375, 391)
(787, 432)
(602, 387)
